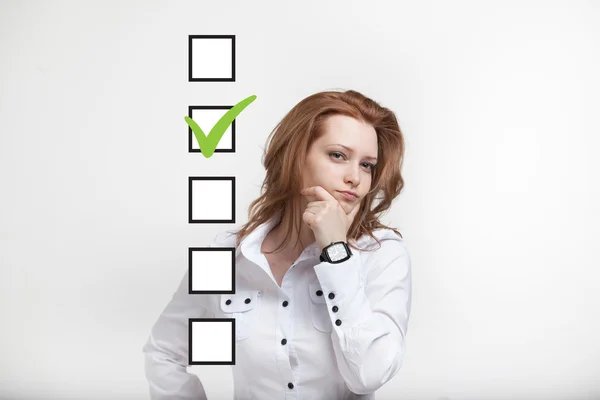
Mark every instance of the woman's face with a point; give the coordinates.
(335, 168)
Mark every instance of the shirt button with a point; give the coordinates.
(247, 301)
(334, 308)
(331, 295)
(283, 341)
(228, 302)
(338, 322)
(319, 293)
(291, 385)
(285, 303)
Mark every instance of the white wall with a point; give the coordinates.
(499, 105)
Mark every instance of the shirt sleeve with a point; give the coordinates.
(371, 321)
(166, 350)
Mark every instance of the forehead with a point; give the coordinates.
(345, 130)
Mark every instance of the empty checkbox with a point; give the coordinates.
(211, 58)
(211, 270)
(211, 199)
(211, 341)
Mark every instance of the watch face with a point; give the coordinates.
(337, 252)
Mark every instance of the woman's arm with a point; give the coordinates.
(369, 342)
(166, 350)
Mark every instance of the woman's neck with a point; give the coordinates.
(291, 251)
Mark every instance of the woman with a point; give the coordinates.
(318, 316)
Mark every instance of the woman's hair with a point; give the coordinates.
(290, 142)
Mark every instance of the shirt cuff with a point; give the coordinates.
(346, 284)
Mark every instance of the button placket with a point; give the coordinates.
(284, 304)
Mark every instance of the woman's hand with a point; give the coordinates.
(326, 217)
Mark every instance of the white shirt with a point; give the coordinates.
(344, 354)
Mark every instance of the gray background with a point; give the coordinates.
(498, 102)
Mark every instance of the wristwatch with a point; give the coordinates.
(335, 253)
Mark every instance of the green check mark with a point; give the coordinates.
(208, 143)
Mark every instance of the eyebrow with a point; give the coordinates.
(352, 151)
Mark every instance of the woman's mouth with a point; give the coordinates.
(348, 196)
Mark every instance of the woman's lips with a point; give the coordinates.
(348, 196)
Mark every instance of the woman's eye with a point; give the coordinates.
(371, 166)
(335, 153)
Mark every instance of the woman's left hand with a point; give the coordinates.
(326, 217)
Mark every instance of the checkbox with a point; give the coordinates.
(211, 341)
(211, 270)
(211, 58)
(211, 199)
(206, 117)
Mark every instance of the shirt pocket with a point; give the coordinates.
(319, 314)
(243, 306)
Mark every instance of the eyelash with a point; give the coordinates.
(337, 152)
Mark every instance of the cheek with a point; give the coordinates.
(366, 184)
(322, 174)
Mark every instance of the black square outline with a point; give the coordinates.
(191, 136)
(190, 321)
(211, 221)
(192, 37)
(190, 269)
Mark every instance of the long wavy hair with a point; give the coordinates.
(290, 142)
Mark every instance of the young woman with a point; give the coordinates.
(323, 289)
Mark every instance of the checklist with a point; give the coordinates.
(211, 199)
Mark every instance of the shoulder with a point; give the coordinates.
(391, 248)
(226, 238)
(383, 235)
